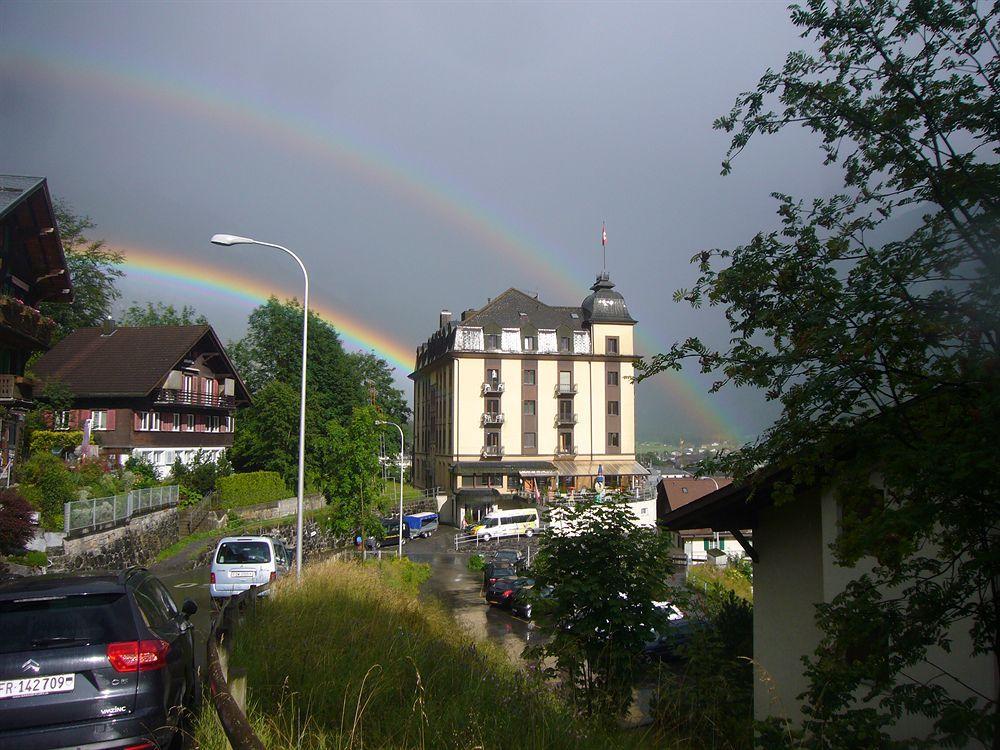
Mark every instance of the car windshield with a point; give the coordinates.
(64, 621)
(243, 553)
(492, 522)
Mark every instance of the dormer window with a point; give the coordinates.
(565, 338)
(492, 338)
(529, 339)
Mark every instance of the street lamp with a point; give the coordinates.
(229, 239)
(384, 422)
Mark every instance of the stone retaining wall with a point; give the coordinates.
(279, 508)
(136, 543)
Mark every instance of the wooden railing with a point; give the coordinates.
(192, 398)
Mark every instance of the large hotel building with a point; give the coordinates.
(519, 400)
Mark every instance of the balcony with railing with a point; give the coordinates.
(565, 418)
(492, 387)
(565, 389)
(193, 398)
(492, 418)
(492, 451)
(566, 450)
(15, 388)
(25, 321)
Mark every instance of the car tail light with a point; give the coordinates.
(138, 656)
(273, 577)
(141, 746)
(508, 592)
(213, 578)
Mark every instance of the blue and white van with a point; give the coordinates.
(421, 524)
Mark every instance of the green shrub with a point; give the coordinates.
(16, 528)
(47, 484)
(238, 490)
(143, 471)
(46, 441)
(201, 474)
(477, 562)
(32, 558)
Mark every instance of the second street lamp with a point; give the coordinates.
(385, 422)
(231, 239)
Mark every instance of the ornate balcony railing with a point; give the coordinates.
(492, 386)
(562, 419)
(566, 450)
(190, 398)
(565, 389)
(15, 388)
(490, 418)
(492, 451)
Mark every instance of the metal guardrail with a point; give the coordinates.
(231, 715)
(110, 511)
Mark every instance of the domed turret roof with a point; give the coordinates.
(605, 305)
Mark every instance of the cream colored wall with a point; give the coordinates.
(788, 582)
(468, 387)
(512, 406)
(589, 433)
(627, 407)
(624, 333)
(547, 377)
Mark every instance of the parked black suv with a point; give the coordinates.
(99, 661)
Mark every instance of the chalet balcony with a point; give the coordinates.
(490, 418)
(492, 451)
(492, 387)
(565, 419)
(565, 389)
(191, 398)
(566, 450)
(24, 321)
(15, 388)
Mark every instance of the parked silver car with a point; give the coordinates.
(240, 562)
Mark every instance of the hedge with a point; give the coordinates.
(250, 488)
(44, 441)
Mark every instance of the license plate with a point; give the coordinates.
(25, 686)
(241, 574)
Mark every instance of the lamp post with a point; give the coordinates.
(384, 422)
(227, 240)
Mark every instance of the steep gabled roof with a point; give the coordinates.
(505, 311)
(129, 362)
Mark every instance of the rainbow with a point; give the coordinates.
(374, 165)
(159, 266)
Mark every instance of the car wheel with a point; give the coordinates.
(528, 533)
(486, 537)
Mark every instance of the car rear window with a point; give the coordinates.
(243, 553)
(30, 624)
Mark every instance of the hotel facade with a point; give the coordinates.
(519, 401)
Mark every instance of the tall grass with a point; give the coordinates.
(350, 658)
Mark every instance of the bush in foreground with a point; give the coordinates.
(250, 488)
(16, 528)
(351, 658)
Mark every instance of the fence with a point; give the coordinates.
(112, 510)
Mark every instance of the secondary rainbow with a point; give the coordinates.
(373, 165)
(152, 264)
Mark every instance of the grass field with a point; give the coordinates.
(351, 659)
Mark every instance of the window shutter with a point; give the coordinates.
(74, 419)
(111, 418)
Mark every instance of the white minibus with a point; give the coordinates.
(508, 523)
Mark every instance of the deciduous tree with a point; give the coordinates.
(881, 342)
(161, 314)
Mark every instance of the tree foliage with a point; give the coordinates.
(94, 269)
(161, 314)
(604, 573)
(873, 317)
(376, 376)
(267, 434)
(16, 529)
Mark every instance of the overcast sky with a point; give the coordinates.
(418, 156)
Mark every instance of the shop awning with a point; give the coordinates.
(589, 468)
(473, 497)
(524, 468)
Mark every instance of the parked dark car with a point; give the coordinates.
(94, 661)
(524, 598)
(501, 592)
(390, 534)
(494, 571)
(511, 557)
(668, 644)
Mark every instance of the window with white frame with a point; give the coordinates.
(190, 422)
(60, 420)
(227, 423)
(99, 419)
(212, 424)
(149, 420)
(176, 422)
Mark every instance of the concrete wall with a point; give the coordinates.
(279, 508)
(136, 543)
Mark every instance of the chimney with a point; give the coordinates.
(444, 319)
(467, 313)
(109, 327)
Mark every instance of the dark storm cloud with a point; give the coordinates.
(548, 118)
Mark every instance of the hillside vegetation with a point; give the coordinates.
(352, 659)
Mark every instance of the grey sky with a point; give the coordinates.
(418, 156)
